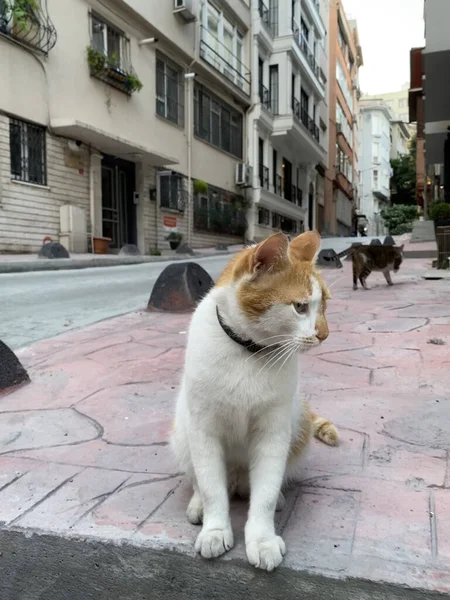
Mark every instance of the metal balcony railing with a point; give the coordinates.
(293, 197)
(302, 43)
(28, 22)
(301, 114)
(277, 187)
(215, 53)
(264, 176)
(264, 96)
(269, 17)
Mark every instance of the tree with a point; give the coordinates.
(399, 219)
(404, 176)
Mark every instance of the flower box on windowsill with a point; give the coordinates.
(124, 81)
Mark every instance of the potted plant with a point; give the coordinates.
(25, 16)
(174, 238)
(96, 61)
(439, 212)
(133, 83)
(200, 187)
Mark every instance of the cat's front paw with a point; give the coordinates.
(212, 543)
(266, 554)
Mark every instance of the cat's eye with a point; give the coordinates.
(301, 307)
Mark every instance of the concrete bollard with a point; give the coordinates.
(12, 373)
(389, 241)
(375, 242)
(328, 258)
(53, 250)
(129, 250)
(184, 249)
(179, 288)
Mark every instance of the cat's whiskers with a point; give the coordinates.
(285, 348)
(290, 354)
(275, 347)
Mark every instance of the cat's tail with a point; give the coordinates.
(324, 430)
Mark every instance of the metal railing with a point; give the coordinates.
(277, 188)
(269, 17)
(302, 43)
(301, 114)
(28, 22)
(215, 53)
(264, 176)
(264, 96)
(293, 197)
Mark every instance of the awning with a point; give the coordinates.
(107, 143)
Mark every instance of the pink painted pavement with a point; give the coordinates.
(83, 448)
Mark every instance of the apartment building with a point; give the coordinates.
(396, 101)
(123, 120)
(338, 216)
(400, 138)
(288, 120)
(417, 116)
(374, 189)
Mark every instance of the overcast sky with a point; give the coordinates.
(388, 29)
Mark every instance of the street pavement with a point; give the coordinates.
(92, 505)
(39, 305)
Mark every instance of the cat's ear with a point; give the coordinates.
(270, 253)
(306, 246)
(401, 247)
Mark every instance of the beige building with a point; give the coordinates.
(400, 139)
(123, 119)
(398, 104)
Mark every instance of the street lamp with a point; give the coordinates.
(189, 77)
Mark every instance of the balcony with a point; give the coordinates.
(269, 18)
(264, 97)
(306, 55)
(113, 70)
(216, 54)
(302, 115)
(263, 176)
(27, 22)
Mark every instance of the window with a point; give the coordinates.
(275, 170)
(263, 216)
(273, 88)
(304, 30)
(343, 84)
(343, 124)
(222, 45)
(217, 122)
(169, 90)
(172, 192)
(111, 42)
(402, 102)
(375, 179)
(376, 125)
(220, 211)
(343, 164)
(376, 152)
(28, 152)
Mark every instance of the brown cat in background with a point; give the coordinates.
(366, 259)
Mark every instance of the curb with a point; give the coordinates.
(68, 264)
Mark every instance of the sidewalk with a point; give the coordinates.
(92, 506)
(23, 263)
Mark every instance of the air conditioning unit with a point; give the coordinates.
(244, 175)
(185, 8)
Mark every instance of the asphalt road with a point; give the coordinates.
(39, 305)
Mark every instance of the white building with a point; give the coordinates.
(374, 190)
(287, 123)
(400, 139)
(86, 153)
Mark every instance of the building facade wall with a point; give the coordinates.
(73, 105)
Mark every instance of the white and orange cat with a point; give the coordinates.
(240, 425)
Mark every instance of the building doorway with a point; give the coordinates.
(118, 207)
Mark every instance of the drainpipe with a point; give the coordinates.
(92, 198)
(189, 76)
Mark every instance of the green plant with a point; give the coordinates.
(96, 60)
(200, 186)
(133, 82)
(174, 236)
(399, 218)
(439, 211)
(113, 60)
(155, 252)
(403, 179)
(22, 11)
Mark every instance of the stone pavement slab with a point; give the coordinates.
(89, 492)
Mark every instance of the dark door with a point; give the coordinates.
(287, 184)
(304, 107)
(311, 207)
(118, 207)
(261, 78)
(273, 88)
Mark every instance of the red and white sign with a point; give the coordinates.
(170, 222)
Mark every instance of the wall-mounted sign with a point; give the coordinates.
(169, 222)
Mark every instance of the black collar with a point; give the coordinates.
(247, 344)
